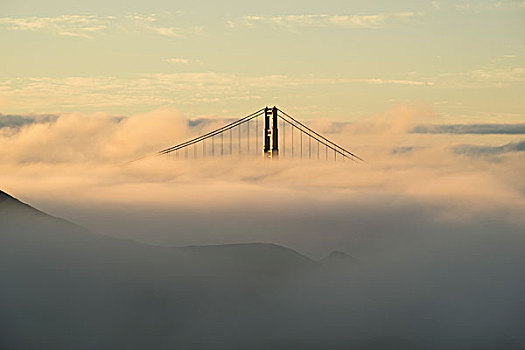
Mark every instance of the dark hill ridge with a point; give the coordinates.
(32, 234)
(7, 201)
(26, 222)
(69, 288)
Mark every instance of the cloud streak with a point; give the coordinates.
(325, 20)
(159, 89)
(87, 26)
(480, 129)
(489, 151)
(16, 122)
(84, 26)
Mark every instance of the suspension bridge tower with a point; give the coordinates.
(271, 133)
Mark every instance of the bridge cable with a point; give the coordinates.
(336, 151)
(321, 136)
(209, 134)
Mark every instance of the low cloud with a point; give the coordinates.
(489, 151)
(79, 163)
(15, 122)
(482, 129)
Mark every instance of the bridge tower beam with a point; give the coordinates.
(267, 132)
(275, 133)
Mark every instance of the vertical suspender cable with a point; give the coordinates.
(309, 146)
(239, 139)
(292, 144)
(301, 145)
(284, 138)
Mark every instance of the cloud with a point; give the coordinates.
(501, 74)
(97, 138)
(493, 74)
(178, 60)
(167, 31)
(489, 151)
(324, 20)
(87, 26)
(154, 90)
(161, 24)
(487, 5)
(17, 121)
(510, 129)
(83, 26)
(76, 166)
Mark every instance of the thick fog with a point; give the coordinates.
(439, 234)
(412, 187)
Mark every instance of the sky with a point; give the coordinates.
(429, 93)
(331, 59)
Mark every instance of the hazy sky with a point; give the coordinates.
(331, 59)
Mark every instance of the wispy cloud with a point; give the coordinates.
(163, 25)
(500, 74)
(495, 74)
(325, 20)
(489, 151)
(167, 31)
(66, 25)
(479, 129)
(14, 122)
(487, 5)
(86, 26)
(178, 60)
(158, 89)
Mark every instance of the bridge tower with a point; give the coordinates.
(275, 133)
(267, 132)
(271, 133)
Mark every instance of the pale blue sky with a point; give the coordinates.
(332, 59)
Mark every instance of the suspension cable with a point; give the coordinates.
(321, 136)
(209, 134)
(318, 140)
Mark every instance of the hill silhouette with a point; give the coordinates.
(69, 288)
